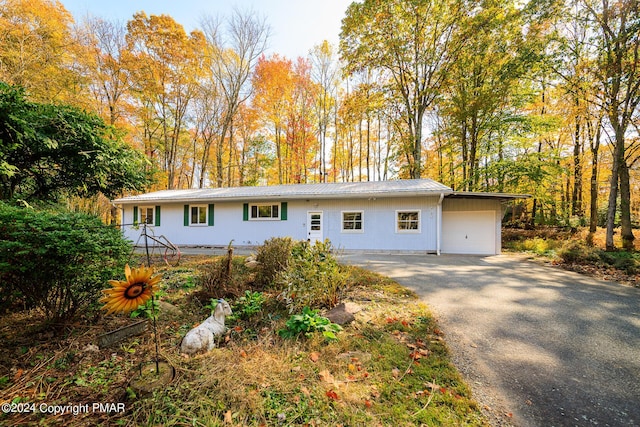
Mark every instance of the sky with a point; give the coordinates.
(296, 25)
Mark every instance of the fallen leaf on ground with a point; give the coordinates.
(332, 395)
(432, 386)
(326, 376)
(314, 356)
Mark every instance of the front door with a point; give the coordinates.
(314, 226)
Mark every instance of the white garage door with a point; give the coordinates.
(469, 232)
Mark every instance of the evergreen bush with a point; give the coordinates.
(57, 261)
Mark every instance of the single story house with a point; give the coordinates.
(419, 215)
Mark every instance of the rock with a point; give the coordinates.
(251, 262)
(168, 310)
(252, 265)
(343, 313)
(352, 307)
(91, 348)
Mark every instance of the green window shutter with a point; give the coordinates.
(245, 212)
(283, 211)
(135, 215)
(186, 215)
(210, 215)
(157, 218)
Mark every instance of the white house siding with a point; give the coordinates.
(379, 223)
(471, 226)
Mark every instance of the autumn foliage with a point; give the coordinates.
(500, 97)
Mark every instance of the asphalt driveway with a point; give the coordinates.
(539, 346)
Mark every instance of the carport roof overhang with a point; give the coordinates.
(477, 195)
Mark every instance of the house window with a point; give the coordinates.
(265, 211)
(352, 222)
(407, 221)
(147, 215)
(198, 215)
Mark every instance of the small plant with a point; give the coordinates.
(307, 323)
(248, 305)
(149, 309)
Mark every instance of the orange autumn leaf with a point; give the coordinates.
(332, 395)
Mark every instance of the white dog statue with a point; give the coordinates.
(201, 338)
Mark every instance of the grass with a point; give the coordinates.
(389, 367)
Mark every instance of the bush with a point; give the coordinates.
(575, 251)
(57, 261)
(273, 257)
(313, 277)
(221, 279)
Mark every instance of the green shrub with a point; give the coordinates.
(273, 257)
(248, 305)
(313, 277)
(578, 252)
(307, 323)
(57, 261)
(628, 265)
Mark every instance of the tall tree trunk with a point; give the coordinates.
(626, 229)
(576, 199)
(613, 196)
(595, 148)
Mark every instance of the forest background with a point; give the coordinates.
(537, 97)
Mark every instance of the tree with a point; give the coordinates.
(325, 75)
(480, 88)
(618, 39)
(273, 84)
(48, 150)
(416, 42)
(36, 48)
(164, 63)
(105, 69)
(232, 63)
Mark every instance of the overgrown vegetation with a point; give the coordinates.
(577, 250)
(56, 261)
(390, 366)
(312, 278)
(273, 257)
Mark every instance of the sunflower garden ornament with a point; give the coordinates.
(126, 295)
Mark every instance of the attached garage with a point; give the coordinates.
(471, 232)
(471, 224)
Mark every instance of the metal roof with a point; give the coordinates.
(474, 195)
(397, 188)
